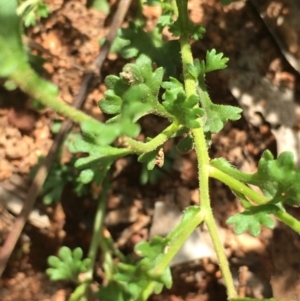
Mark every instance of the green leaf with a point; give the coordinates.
(190, 213)
(64, 253)
(195, 31)
(185, 144)
(215, 115)
(98, 161)
(165, 54)
(133, 94)
(12, 53)
(215, 61)
(278, 178)
(77, 254)
(253, 218)
(112, 292)
(67, 265)
(58, 177)
(148, 159)
(184, 109)
(101, 5)
(151, 249)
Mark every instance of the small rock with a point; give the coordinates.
(24, 120)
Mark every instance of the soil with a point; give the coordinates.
(68, 40)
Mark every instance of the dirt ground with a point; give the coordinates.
(68, 40)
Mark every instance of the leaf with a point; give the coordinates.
(67, 265)
(151, 249)
(58, 177)
(148, 159)
(112, 292)
(184, 109)
(215, 61)
(98, 161)
(165, 54)
(185, 144)
(101, 5)
(195, 31)
(12, 53)
(278, 178)
(134, 93)
(253, 218)
(152, 252)
(215, 115)
(190, 213)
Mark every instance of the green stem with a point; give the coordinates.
(287, 219)
(186, 53)
(201, 151)
(203, 167)
(141, 147)
(98, 226)
(258, 198)
(237, 186)
(108, 262)
(175, 239)
(29, 82)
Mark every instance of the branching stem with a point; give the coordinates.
(202, 152)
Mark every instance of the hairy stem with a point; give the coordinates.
(45, 93)
(141, 147)
(201, 151)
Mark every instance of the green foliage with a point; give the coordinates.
(102, 5)
(134, 93)
(67, 265)
(12, 52)
(32, 10)
(132, 277)
(97, 163)
(215, 115)
(195, 31)
(185, 144)
(182, 108)
(253, 218)
(154, 168)
(58, 177)
(278, 178)
(151, 44)
(214, 61)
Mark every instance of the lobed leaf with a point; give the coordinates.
(215, 116)
(98, 161)
(215, 61)
(183, 109)
(165, 54)
(253, 218)
(67, 265)
(278, 178)
(135, 92)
